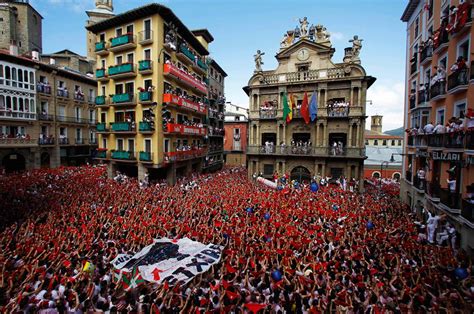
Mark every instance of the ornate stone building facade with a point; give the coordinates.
(332, 143)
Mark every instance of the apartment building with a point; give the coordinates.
(153, 94)
(439, 146)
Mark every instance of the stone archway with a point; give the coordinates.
(14, 162)
(301, 174)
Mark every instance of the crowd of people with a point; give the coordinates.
(17, 136)
(294, 251)
(338, 108)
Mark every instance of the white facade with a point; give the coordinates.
(17, 92)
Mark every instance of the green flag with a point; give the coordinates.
(286, 108)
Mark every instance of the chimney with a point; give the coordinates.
(13, 49)
(376, 125)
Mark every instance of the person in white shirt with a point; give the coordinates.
(429, 128)
(439, 129)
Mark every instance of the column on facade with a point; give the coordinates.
(257, 142)
(325, 132)
(358, 135)
(349, 141)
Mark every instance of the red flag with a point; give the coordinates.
(255, 307)
(305, 109)
(231, 295)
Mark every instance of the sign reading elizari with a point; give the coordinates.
(171, 261)
(446, 156)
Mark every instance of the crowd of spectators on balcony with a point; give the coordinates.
(46, 139)
(63, 91)
(149, 89)
(44, 87)
(17, 136)
(439, 76)
(459, 68)
(78, 94)
(455, 125)
(213, 112)
(180, 93)
(192, 123)
(215, 131)
(268, 109)
(332, 251)
(338, 108)
(185, 71)
(337, 148)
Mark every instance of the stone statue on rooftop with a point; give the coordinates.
(288, 39)
(322, 35)
(258, 61)
(304, 27)
(356, 46)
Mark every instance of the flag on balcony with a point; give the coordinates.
(304, 108)
(286, 109)
(313, 106)
(292, 108)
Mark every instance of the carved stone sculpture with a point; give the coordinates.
(356, 47)
(258, 61)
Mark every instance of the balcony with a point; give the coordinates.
(101, 75)
(175, 128)
(438, 90)
(458, 81)
(414, 66)
(185, 55)
(443, 40)
(454, 140)
(338, 111)
(306, 151)
(435, 140)
(123, 155)
(268, 113)
(102, 127)
(146, 157)
(101, 101)
(124, 42)
(145, 97)
(126, 99)
(184, 155)
(183, 103)
(17, 142)
(200, 67)
(80, 141)
(63, 141)
(470, 140)
(145, 37)
(412, 101)
(426, 54)
(183, 78)
(46, 141)
(45, 117)
(74, 120)
(433, 191)
(146, 127)
(62, 93)
(145, 66)
(15, 115)
(79, 97)
(423, 98)
(43, 88)
(123, 127)
(122, 70)
(450, 200)
(101, 153)
(467, 210)
(101, 48)
(421, 141)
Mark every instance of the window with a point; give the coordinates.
(399, 142)
(103, 90)
(366, 142)
(147, 54)
(440, 116)
(376, 142)
(129, 87)
(393, 143)
(118, 32)
(103, 117)
(463, 50)
(131, 145)
(130, 29)
(77, 112)
(120, 144)
(119, 89)
(102, 62)
(166, 145)
(118, 60)
(104, 142)
(78, 133)
(384, 142)
(102, 37)
(92, 116)
(268, 169)
(459, 108)
(147, 84)
(148, 145)
(443, 61)
(417, 26)
(130, 57)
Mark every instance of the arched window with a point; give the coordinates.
(396, 176)
(1, 70)
(376, 174)
(20, 104)
(32, 81)
(2, 102)
(7, 73)
(32, 106)
(25, 76)
(13, 74)
(20, 75)
(15, 104)
(9, 103)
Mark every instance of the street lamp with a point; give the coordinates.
(381, 167)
